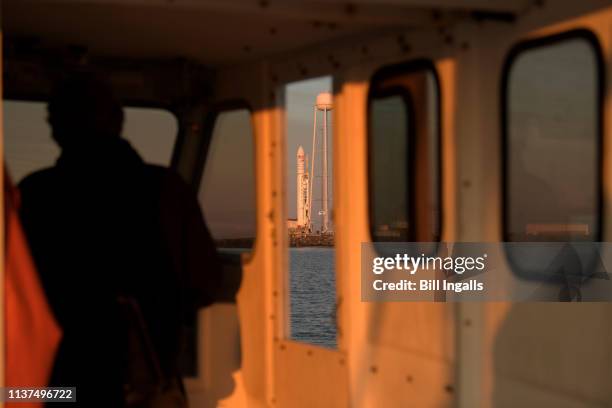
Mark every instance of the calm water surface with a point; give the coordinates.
(313, 295)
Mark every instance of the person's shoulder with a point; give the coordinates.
(38, 179)
(176, 195)
(168, 178)
(164, 173)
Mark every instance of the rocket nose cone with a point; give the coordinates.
(300, 151)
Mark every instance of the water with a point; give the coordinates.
(313, 295)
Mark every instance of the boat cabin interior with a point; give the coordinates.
(448, 117)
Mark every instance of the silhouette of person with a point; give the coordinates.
(103, 225)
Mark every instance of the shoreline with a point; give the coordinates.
(295, 241)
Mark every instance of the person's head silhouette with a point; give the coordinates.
(83, 110)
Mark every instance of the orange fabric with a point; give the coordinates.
(32, 333)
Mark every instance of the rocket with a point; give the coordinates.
(302, 189)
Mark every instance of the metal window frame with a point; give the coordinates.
(395, 70)
(519, 48)
(528, 45)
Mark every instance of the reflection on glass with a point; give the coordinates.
(552, 144)
(404, 154)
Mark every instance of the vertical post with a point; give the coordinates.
(312, 167)
(2, 245)
(324, 181)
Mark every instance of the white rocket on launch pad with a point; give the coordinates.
(303, 190)
(305, 182)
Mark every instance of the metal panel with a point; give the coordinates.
(310, 376)
(520, 354)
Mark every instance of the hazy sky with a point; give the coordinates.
(300, 99)
(227, 192)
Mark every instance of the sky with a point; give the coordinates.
(227, 190)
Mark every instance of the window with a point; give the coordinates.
(152, 132)
(404, 154)
(551, 128)
(29, 146)
(227, 198)
(27, 138)
(227, 188)
(312, 276)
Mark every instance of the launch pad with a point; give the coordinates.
(302, 230)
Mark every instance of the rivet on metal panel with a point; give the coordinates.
(341, 361)
(282, 346)
(246, 48)
(273, 31)
(436, 15)
(275, 293)
(466, 183)
(449, 388)
(309, 353)
(303, 70)
(467, 322)
(264, 3)
(409, 378)
(316, 24)
(405, 47)
(350, 9)
(333, 61)
(373, 369)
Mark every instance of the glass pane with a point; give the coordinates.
(552, 143)
(27, 138)
(404, 154)
(389, 155)
(227, 199)
(309, 130)
(227, 190)
(29, 146)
